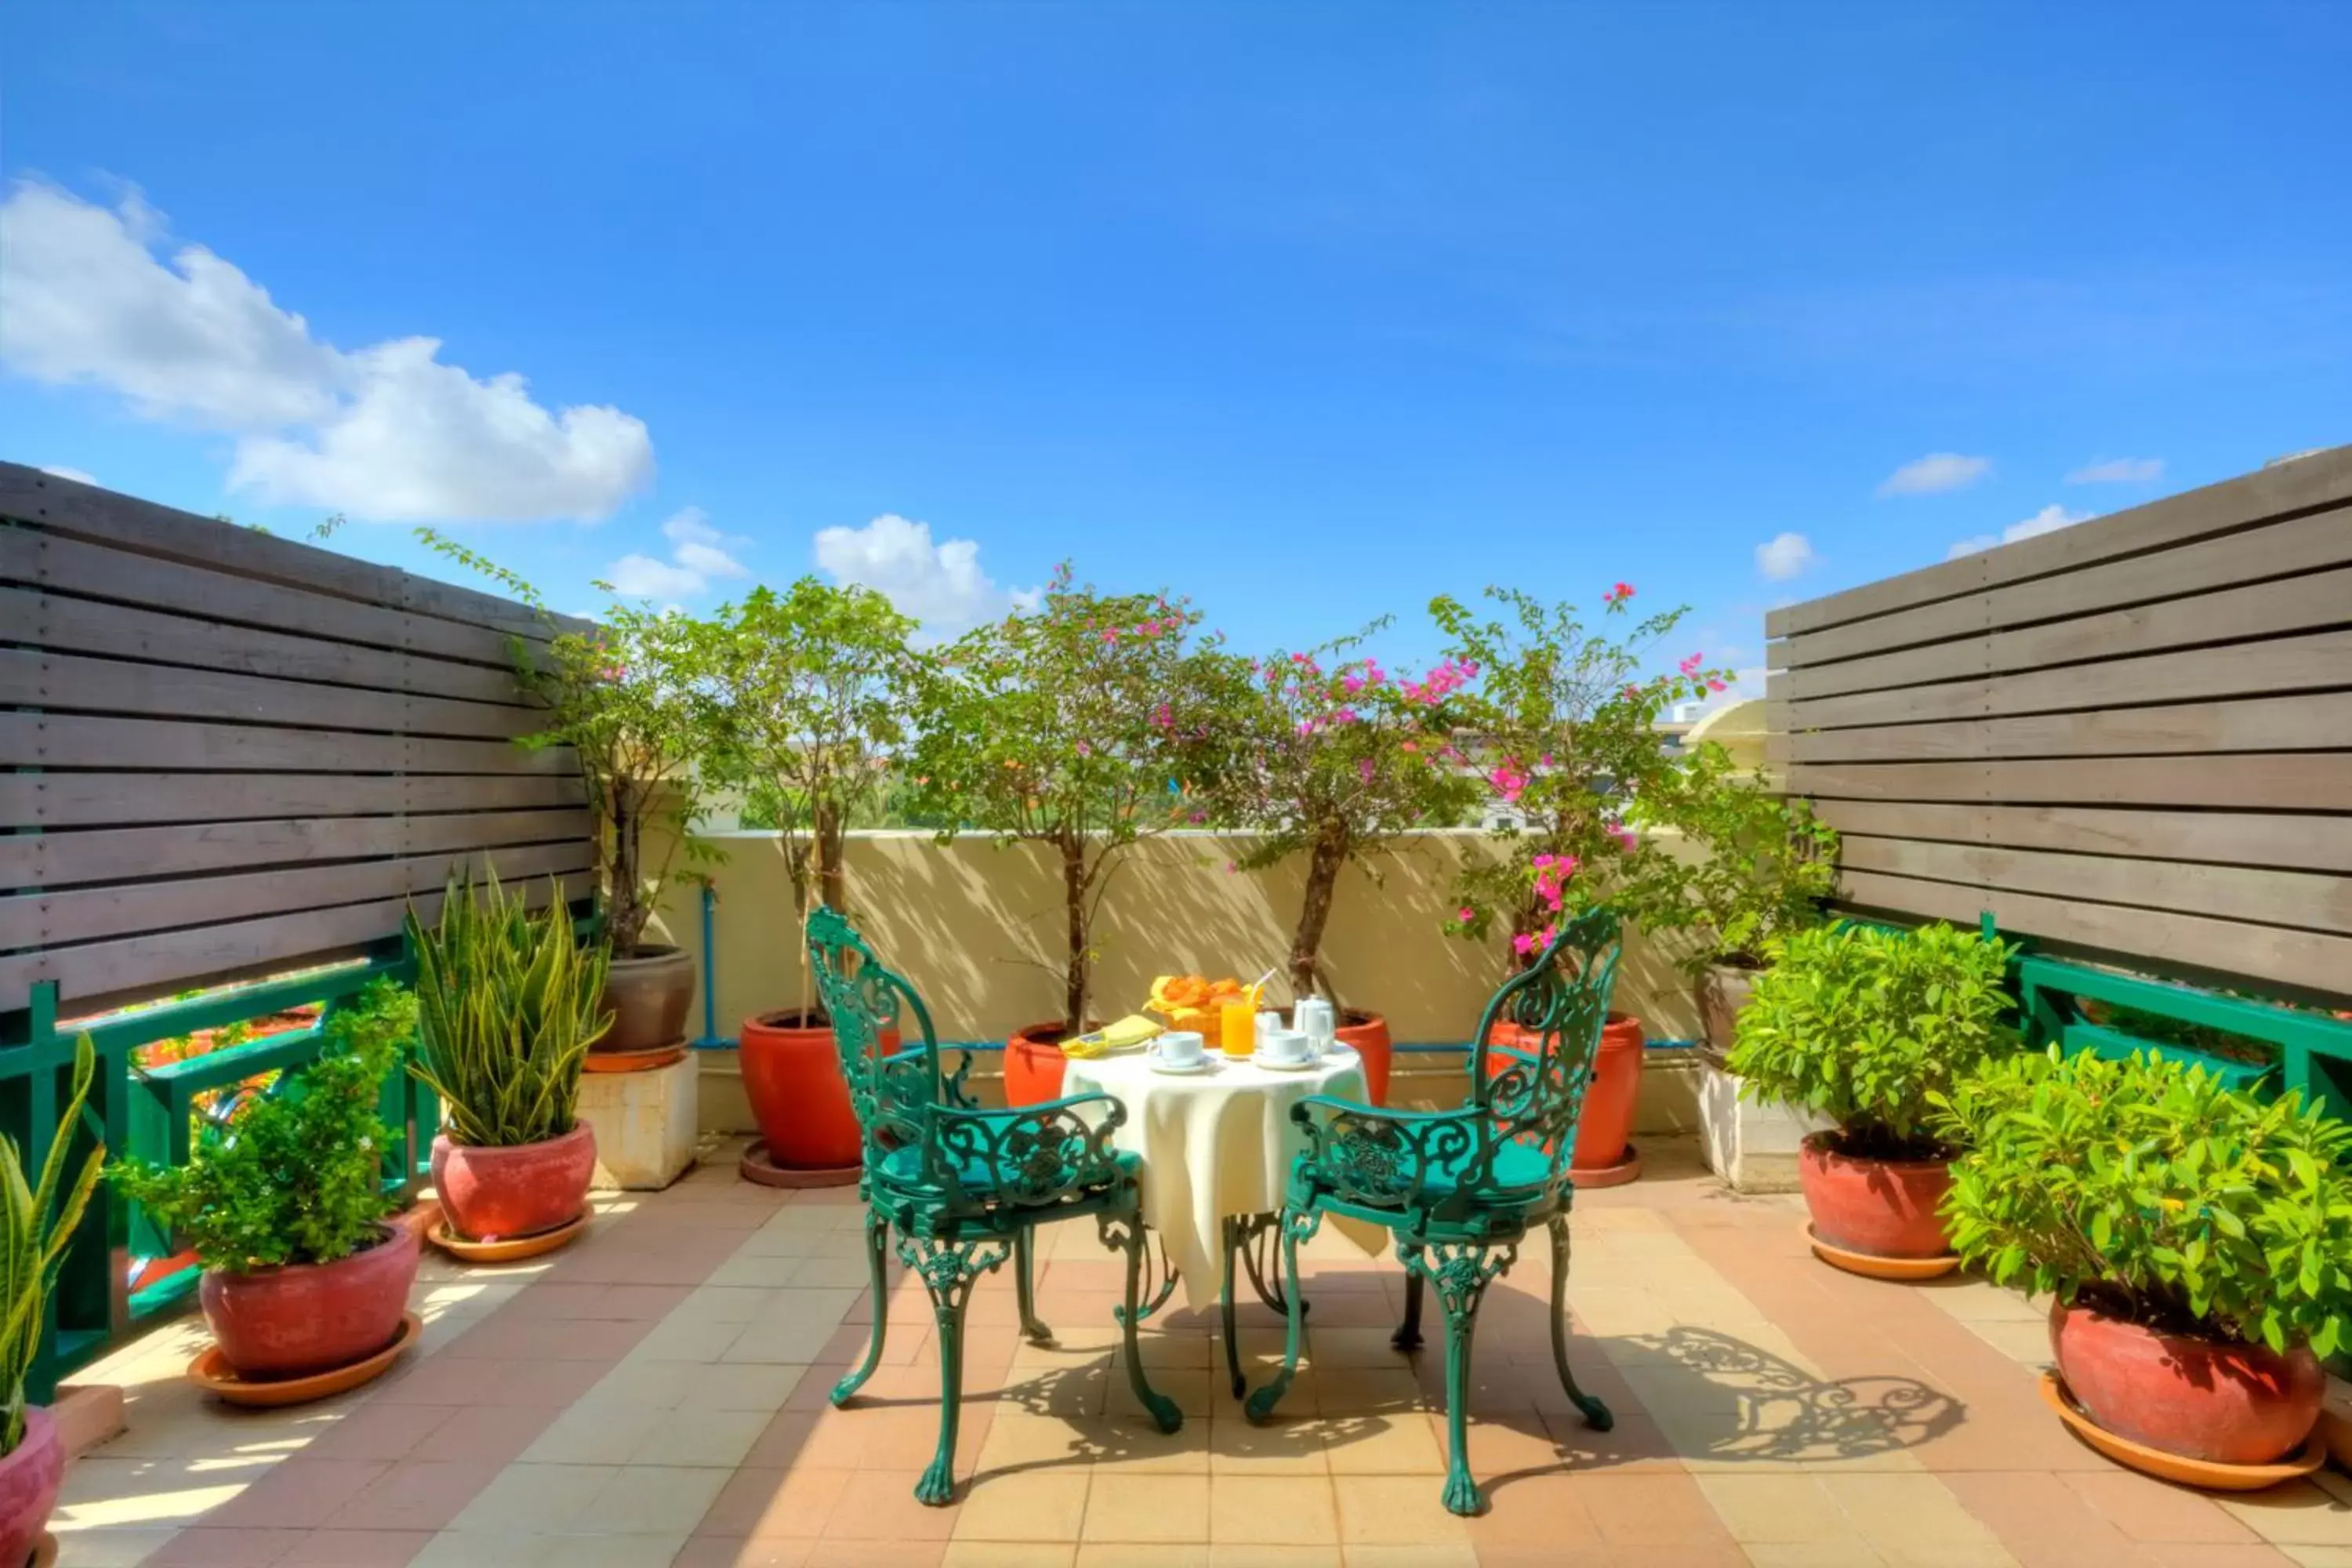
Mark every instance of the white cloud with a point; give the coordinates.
(74, 474)
(1936, 471)
(2118, 471)
(698, 556)
(1783, 556)
(386, 431)
(2049, 520)
(939, 584)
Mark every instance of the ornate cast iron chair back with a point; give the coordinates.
(1561, 1001)
(865, 1000)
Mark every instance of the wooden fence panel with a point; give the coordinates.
(2131, 738)
(223, 754)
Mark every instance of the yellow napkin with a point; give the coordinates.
(1131, 1030)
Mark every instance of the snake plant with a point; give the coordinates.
(508, 1004)
(34, 1228)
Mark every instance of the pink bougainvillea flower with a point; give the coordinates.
(1407, 746)
(1110, 636)
(1466, 914)
(1364, 769)
(1690, 666)
(1631, 693)
(1198, 817)
(1523, 944)
(1085, 749)
(1715, 684)
(1354, 683)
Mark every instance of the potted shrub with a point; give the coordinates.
(36, 1223)
(1069, 726)
(284, 1201)
(508, 1004)
(1335, 763)
(818, 682)
(2196, 1241)
(1864, 1026)
(1561, 728)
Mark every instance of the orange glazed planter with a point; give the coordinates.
(1884, 1209)
(2223, 1404)
(1033, 1063)
(1368, 1033)
(1604, 1156)
(792, 1075)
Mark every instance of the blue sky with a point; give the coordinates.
(1309, 311)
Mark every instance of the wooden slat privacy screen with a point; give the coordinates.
(2131, 737)
(223, 754)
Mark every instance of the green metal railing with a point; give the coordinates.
(151, 1112)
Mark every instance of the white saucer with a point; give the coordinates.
(1158, 1065)
(1270, 1065)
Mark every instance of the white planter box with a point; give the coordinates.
(1751, 1146)
(646, 1123)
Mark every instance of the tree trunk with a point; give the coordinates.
(1323, 867)
(625, 919)
(1074, 898)
(830, 827)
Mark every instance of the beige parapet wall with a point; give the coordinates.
(977, 926)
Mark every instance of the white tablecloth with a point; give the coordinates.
(1216, 1142)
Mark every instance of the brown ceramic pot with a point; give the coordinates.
(29, 1480)
(647, 993)
(1886, 1208)
(2222, 1403)
(305, 1318)
(496, 1194)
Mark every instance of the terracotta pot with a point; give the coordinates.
(1723, 992)
(1604, 1127)
(2202, 1399)
(647, 993)
(792, 1075)
(1886, 1208)
(1033, 1063)
(306, 1317)
(29, 1480)
(491, 1193)
(1369, 1033)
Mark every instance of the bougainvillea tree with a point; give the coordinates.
(1327, 754)
(1072, 726)
(1560, 727)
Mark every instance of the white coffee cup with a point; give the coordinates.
(1288, 1046)
(1178, 1048)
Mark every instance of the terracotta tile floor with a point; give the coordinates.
(656, 1395)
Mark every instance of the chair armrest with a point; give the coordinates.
(1031, 1153)
(1386, 1158)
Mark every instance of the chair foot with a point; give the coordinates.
(1164, 1413)
(1596, 1414)
(1462, 1494)
(937, 1487)
(1261, 1404)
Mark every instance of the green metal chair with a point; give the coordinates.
(1461, 1189)
(964, 1187)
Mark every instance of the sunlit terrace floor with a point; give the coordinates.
(656, 1395)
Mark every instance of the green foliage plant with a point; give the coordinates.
(638, 702)
(508, 1003)
(1325, 753)
(2147, 1189)
(1560, 726)
(1761, 861)
(296, 1174)
(1075, 726)
(1866, 1026)
(818, 682)
(36, 1223)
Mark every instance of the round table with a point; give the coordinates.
(1216, 1144)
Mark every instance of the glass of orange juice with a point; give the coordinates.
(1237, 1025)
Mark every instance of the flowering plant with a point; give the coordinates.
(1337, 761)
(1561, 728)
(818, 678)
(1074, 726)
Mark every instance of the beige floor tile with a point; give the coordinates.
(1272, 1511)
(1252, 1556)
(1283, 1446)
(688, 1340)
(1851, 1553)
(536, 1498)
(1391, 1445)
(757, 1270)
(1777, 1509)
(762, 1386)
(1009, 1554)
(1029, 1505)
(1382, 1511)
(1135, 1446)
(596, 1434)
(714, 1437)
(2026, 1343)
(123, 1548)
(2298, 1514)
(1133, 1554)
(1150, 1509)
(1451, 1555)
(1913, 1519)
(778, 1341)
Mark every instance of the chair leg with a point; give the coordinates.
(1233, 1233)
(1126, 1231)
(1461, 1271)
(1024, 1287)
(1297, 1224)
(877, 1266)
(1596, 1414)
(947, 1269)
(1408, 1334)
